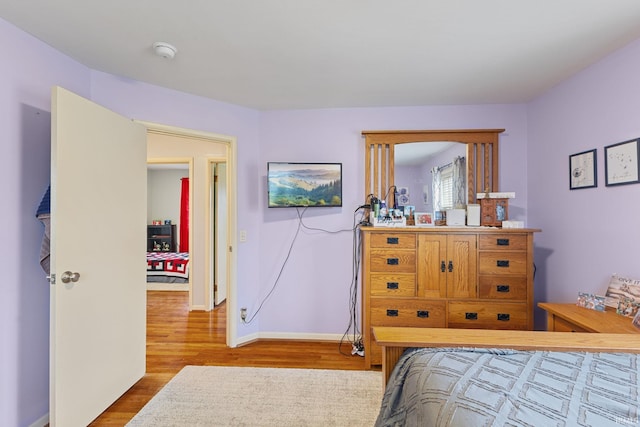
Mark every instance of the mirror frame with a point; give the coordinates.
(482, 157)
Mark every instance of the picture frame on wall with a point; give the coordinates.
(583, 170)
(621, 163)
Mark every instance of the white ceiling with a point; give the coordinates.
(292, 54)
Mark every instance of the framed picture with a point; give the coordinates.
(424, 219)
(402, 195)
(621, 163)
(583, 170)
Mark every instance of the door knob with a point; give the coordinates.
(68, 276)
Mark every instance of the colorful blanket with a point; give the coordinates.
(170, 264)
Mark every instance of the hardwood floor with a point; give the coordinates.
(177, 338)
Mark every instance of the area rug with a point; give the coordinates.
(240, 396)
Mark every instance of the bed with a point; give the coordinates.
(167, 267)
(455, 377)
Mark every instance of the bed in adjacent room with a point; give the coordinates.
(168, 270)
(450, 377)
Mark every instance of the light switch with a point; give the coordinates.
(243, 235)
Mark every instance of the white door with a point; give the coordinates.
(220, 226)
(98, 206)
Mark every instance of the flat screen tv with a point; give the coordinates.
(304, 184)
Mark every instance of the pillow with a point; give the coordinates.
(623, 290)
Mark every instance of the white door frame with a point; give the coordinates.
(218, 236)
(231, 161)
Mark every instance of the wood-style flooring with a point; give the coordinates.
(177, 338)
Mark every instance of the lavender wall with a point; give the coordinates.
(30, 68)
(588, 234)
(313, 292)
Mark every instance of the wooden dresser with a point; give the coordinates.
(445, 277)
(572, 318)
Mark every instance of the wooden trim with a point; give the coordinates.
(482, 157)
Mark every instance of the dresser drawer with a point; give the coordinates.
(502, 287)
(407, 312)
(393, 240)
(398, 285)
(484, 315)
(398, 261)
(503, 242)
(561, 325)
(498, 262)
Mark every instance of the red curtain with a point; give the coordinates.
(184, 216)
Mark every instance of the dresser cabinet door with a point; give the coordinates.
(447, 266)
(462, 266)
(432, 266)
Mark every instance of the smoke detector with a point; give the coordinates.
(165, 50)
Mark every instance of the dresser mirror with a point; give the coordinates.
(414, 174)
(481, 155)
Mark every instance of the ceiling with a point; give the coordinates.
(300, 54)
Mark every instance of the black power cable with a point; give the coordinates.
(356, 341)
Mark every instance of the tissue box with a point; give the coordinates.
(455, 216)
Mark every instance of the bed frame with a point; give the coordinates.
(395, 341)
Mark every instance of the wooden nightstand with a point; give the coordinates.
(572, 318)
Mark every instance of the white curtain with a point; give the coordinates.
(451, 180)
(459, 183)
(436, 183)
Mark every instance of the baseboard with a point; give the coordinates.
(288, 336)
(42, 422)
(158, 286)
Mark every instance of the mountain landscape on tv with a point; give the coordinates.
(309, 185)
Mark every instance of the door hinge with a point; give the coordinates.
(230, 248)
(52, 278)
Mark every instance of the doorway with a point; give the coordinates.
(167, 228)
(212, 220)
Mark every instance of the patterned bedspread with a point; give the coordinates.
(492, 387)
(168, 264)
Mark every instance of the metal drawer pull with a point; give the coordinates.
(443, 266)
(471, 316)
(392, 313)
(502, 242)
(392, 285)
(450, 266)
(423, 314)
(392, 240)
(502, 288)
(503, 317)
(502, 263)
(392, 261)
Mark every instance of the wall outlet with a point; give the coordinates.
(243, 313)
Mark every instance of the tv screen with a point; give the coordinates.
(304, 184)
